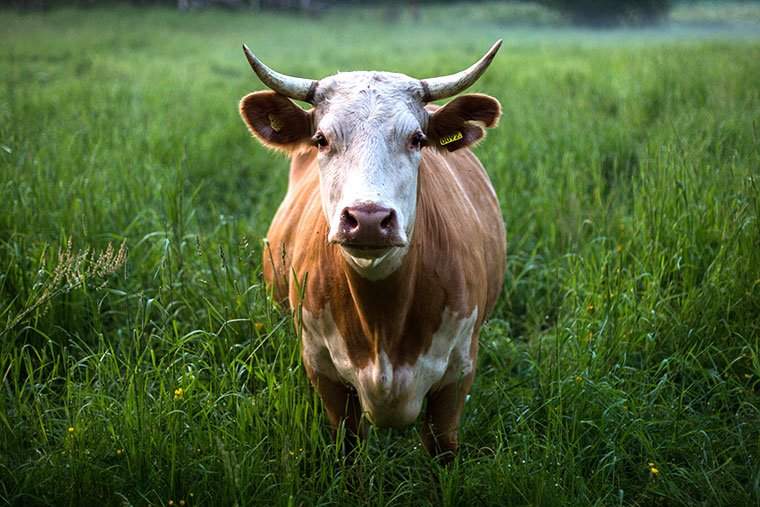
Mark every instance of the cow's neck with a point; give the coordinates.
(382, 303)
(395, 314)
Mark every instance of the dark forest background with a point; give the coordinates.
(598, 13)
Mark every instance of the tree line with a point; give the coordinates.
(582, 12)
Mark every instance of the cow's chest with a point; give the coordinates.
(391, 395)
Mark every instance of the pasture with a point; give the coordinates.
(621, 366)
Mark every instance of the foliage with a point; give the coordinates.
(612, 12)
(622, 364)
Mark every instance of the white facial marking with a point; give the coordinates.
(368, 119)
(391, 396)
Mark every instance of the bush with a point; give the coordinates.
(612, 12)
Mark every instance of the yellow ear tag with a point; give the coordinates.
(450, 139)
(274, 123)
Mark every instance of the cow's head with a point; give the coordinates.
(369, 129)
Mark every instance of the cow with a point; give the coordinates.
(389, 246)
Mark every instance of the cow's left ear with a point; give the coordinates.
(276, 121)
(462, 121)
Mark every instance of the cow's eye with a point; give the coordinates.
(418, 140)
(320, 141)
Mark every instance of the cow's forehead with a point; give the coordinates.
(375, 97)
(383, 83)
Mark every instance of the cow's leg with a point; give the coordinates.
(341, 404)
(440, 431)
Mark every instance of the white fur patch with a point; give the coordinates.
(368, 119)
(391, 396)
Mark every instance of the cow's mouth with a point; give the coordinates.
(366, 251)
(370, 247)
(366, 247)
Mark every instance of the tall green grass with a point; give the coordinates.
(621, 365)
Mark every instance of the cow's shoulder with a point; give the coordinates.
(295, 226)
(461, 229)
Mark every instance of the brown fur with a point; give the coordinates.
(276, 121)
(467, 114)
(456, 259)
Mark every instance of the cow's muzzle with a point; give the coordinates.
(368, 227)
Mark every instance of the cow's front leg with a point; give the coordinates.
(440, 431)
(341, 404)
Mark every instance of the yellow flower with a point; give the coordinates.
(590, 308)
(179, 393)
(71, 429)
(578, 379)
(259, 326)
(653, 469)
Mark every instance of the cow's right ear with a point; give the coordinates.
(276, 121)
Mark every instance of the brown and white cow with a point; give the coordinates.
(389, 244)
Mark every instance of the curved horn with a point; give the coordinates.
(293, 87)
(446, 86)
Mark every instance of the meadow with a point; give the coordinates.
(141, 362)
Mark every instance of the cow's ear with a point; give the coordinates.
(276, 121)
(462, 121)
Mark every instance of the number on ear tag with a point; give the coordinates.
(450, 139)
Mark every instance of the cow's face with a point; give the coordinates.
(368, 130)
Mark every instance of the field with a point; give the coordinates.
(621, 366)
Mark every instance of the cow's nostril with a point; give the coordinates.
(387, 222)
(349, 220)
(368, 225)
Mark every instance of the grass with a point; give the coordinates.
(621, 366)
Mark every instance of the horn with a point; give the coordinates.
(446, 86)
(293, 87)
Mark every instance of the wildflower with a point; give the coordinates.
(590, 308)
(179, 393)
(259, 326)
(71, 429)
(653, 469)
(578, 379)
(119, 452)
